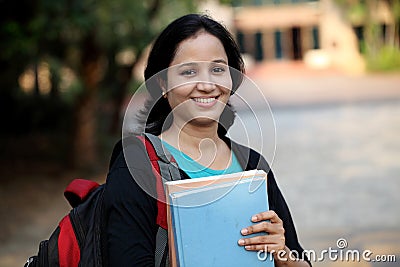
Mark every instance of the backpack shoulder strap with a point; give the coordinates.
(157, 152)
(165, 169)
(158, 148)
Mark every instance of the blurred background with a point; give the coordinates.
(330, 70)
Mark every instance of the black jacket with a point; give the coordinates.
(131, 211)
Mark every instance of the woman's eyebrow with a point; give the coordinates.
(188, 64)
(220, 61)
(196, 63)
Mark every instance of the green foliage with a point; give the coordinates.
(353, 10)
(381, 53)
(386, 59)
(57, 31)
(73, 92)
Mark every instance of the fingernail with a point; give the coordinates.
(241, 242)
(244, 231)
(247, 247)
(254, 218)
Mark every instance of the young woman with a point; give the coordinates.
(189, 111)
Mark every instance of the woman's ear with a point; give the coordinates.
(163, 86)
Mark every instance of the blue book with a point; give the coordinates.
(207, 214)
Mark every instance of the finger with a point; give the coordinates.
(265, 226)
(256, 240)
(266, 215)
(263, 240)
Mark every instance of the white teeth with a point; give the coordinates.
(204, 100)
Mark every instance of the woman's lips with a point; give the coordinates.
(205, 101)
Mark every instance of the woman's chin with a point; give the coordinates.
(204, 121)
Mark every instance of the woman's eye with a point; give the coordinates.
(218, 69)
(188, 72)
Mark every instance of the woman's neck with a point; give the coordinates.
(190, 135)
(202, 144)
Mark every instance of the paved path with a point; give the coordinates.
(337, 155)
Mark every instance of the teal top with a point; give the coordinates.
(195, 169)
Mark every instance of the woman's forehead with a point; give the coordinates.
(201, 47)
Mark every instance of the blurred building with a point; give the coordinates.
(315, 31)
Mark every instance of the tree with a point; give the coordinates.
(381, 32)
(86, 36)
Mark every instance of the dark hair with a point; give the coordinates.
(156, 109)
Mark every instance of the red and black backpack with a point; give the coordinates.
(77, 240)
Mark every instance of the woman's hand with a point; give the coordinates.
(273, 242)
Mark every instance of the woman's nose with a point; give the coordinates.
(206, 86)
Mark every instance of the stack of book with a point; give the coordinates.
(205, 216)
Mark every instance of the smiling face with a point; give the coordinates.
(198, 80)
